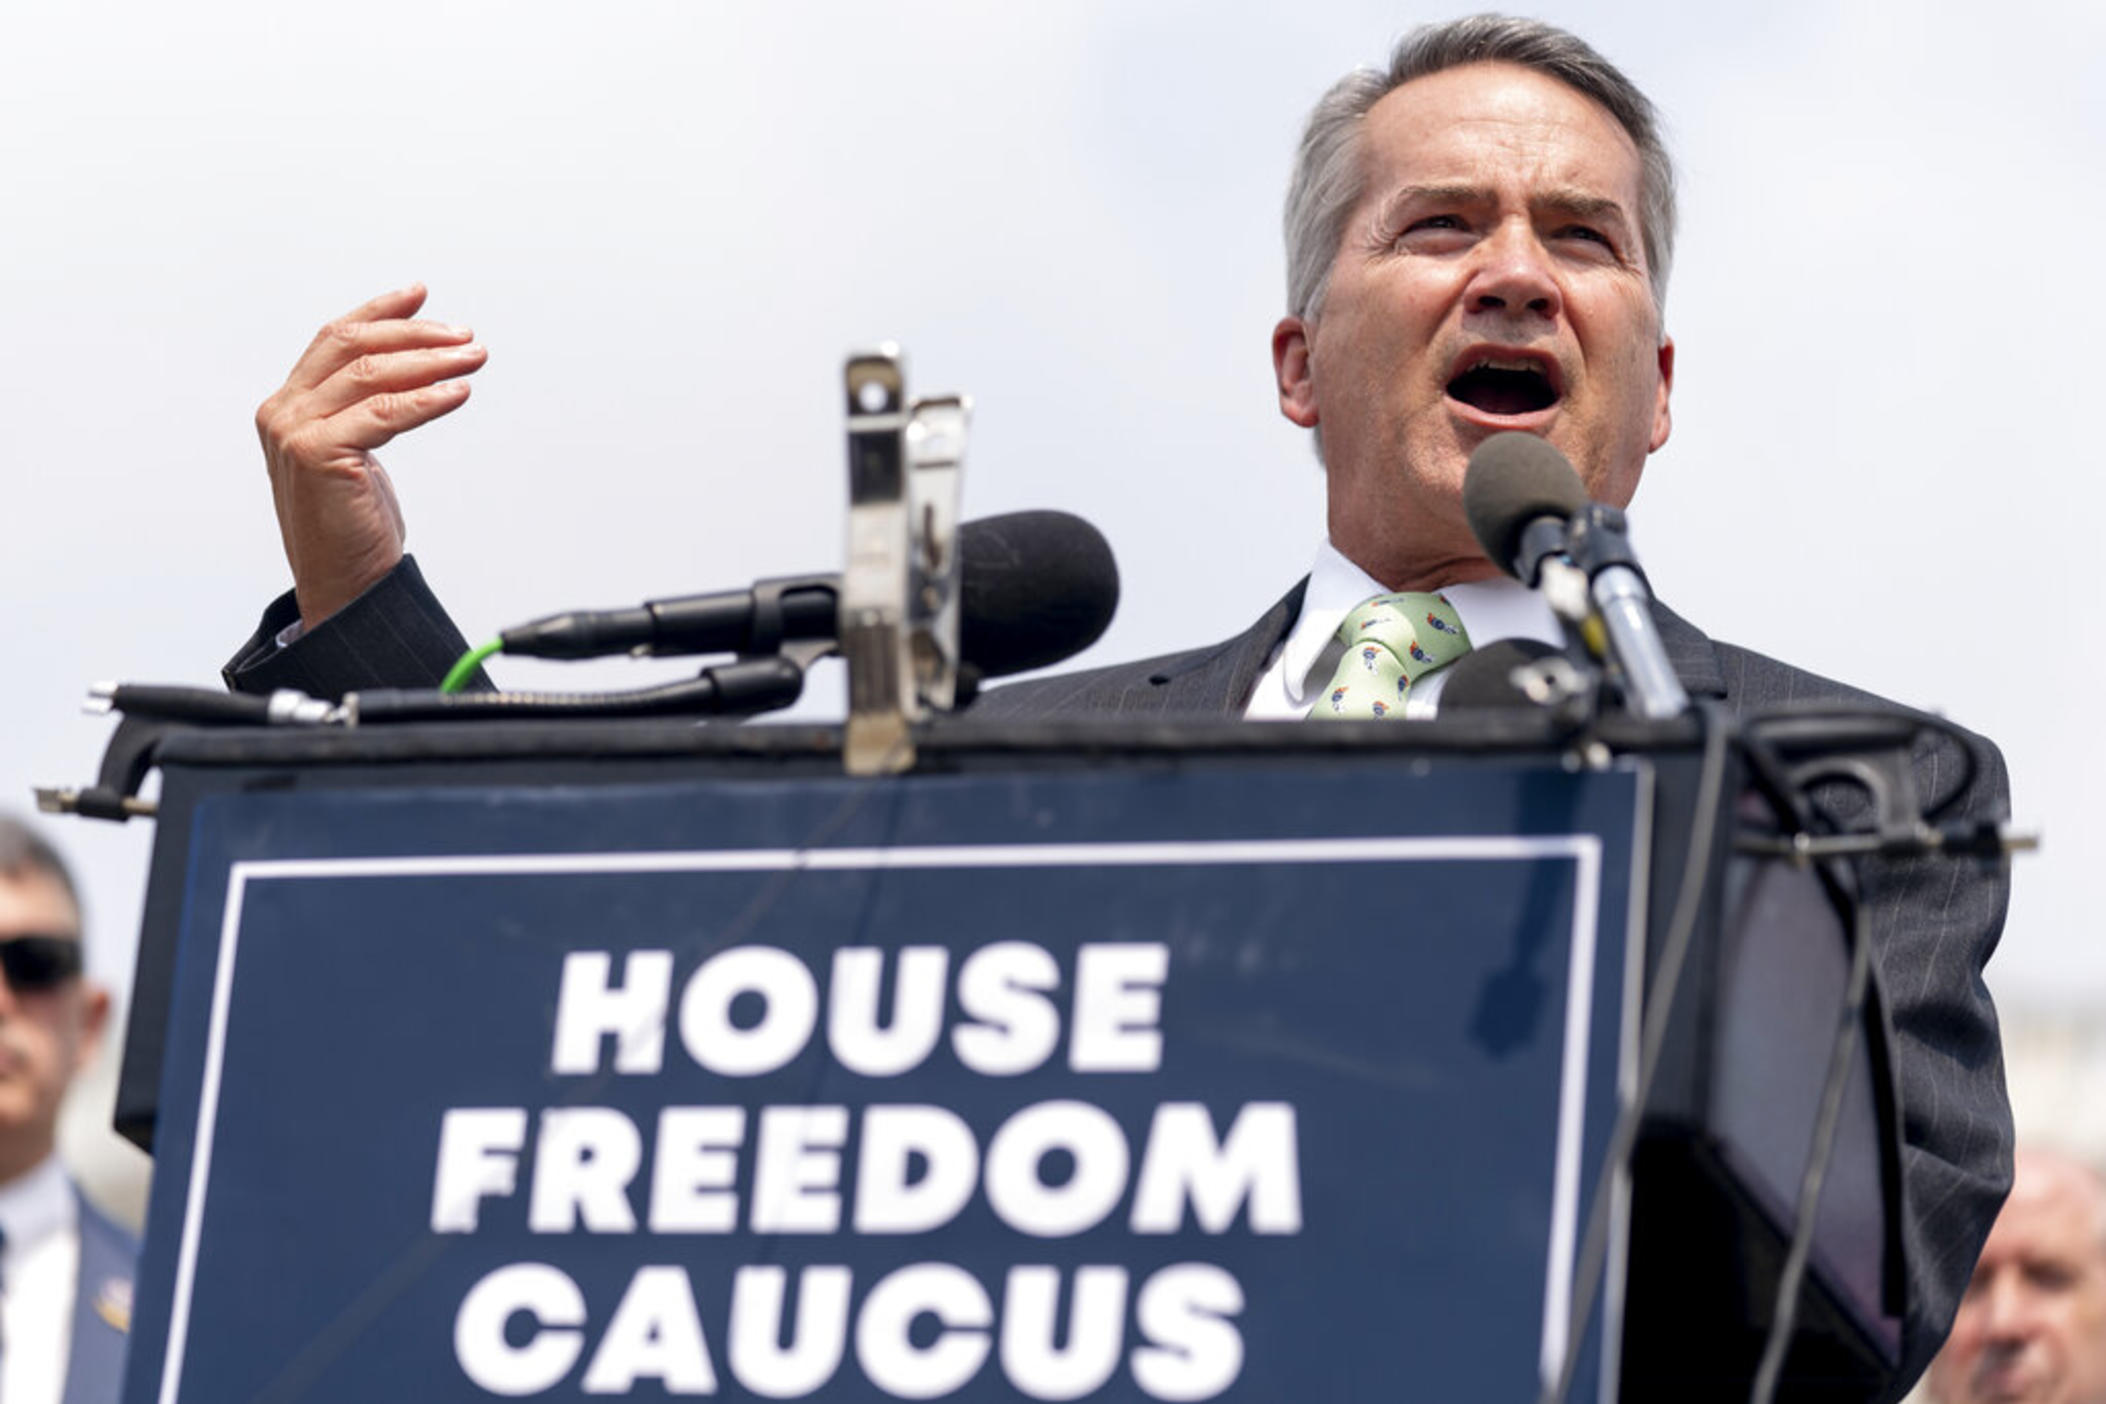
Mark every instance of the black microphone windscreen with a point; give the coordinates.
(1037, 588)
(1484, 677)
(1514, 478)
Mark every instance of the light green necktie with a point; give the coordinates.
(1391, 642)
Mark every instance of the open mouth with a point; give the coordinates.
(1505, 386)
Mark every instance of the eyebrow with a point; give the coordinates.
(1564, 200)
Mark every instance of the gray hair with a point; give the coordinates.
(25, 853)
(1329, 176)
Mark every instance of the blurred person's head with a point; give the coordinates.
(51, 1017)
(2032, 1327)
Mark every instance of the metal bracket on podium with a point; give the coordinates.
(935, 462)
(899, 588)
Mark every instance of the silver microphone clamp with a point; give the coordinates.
(899, 601)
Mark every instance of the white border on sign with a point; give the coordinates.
(1584, 850)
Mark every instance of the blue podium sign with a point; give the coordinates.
(1250, 1081)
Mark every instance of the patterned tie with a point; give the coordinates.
(1391, 642)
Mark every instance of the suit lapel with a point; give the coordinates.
(102, 1310)
(1221, 679)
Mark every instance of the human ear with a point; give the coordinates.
(1293, 372)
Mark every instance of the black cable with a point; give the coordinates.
(205, 706)
(747, 685)
(1667, 975)
(1769, 772)
(1923, 721)
(1785, 1313)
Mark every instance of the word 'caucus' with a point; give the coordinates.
(984, 1171)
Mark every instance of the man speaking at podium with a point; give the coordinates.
(1478, 239)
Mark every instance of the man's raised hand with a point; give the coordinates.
(366, 377)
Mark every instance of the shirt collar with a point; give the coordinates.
(1499, 608)
(36, 1203)
(1335, 586)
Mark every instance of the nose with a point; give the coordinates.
(2007, 1315)
(1514, 274)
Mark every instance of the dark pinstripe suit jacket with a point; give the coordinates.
(1934, 923)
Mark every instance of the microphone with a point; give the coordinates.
(1483, 678)
(1518, 494)
(1530, 513)
(1035, 588)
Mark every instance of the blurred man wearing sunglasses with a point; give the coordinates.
(65, 1270)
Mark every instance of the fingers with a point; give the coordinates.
(375, 369)
(386, 373)
(374, 420)
(377, 327)
(401, 302)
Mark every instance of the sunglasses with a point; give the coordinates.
(34, 964)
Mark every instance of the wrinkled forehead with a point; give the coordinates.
(1500, 124)
(32, 902)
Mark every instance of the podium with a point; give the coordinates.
(1086, 1061)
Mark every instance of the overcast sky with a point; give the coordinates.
(670, 221)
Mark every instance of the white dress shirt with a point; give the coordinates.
(39, 1268)
(1301, 667)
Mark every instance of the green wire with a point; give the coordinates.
(458, 677)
